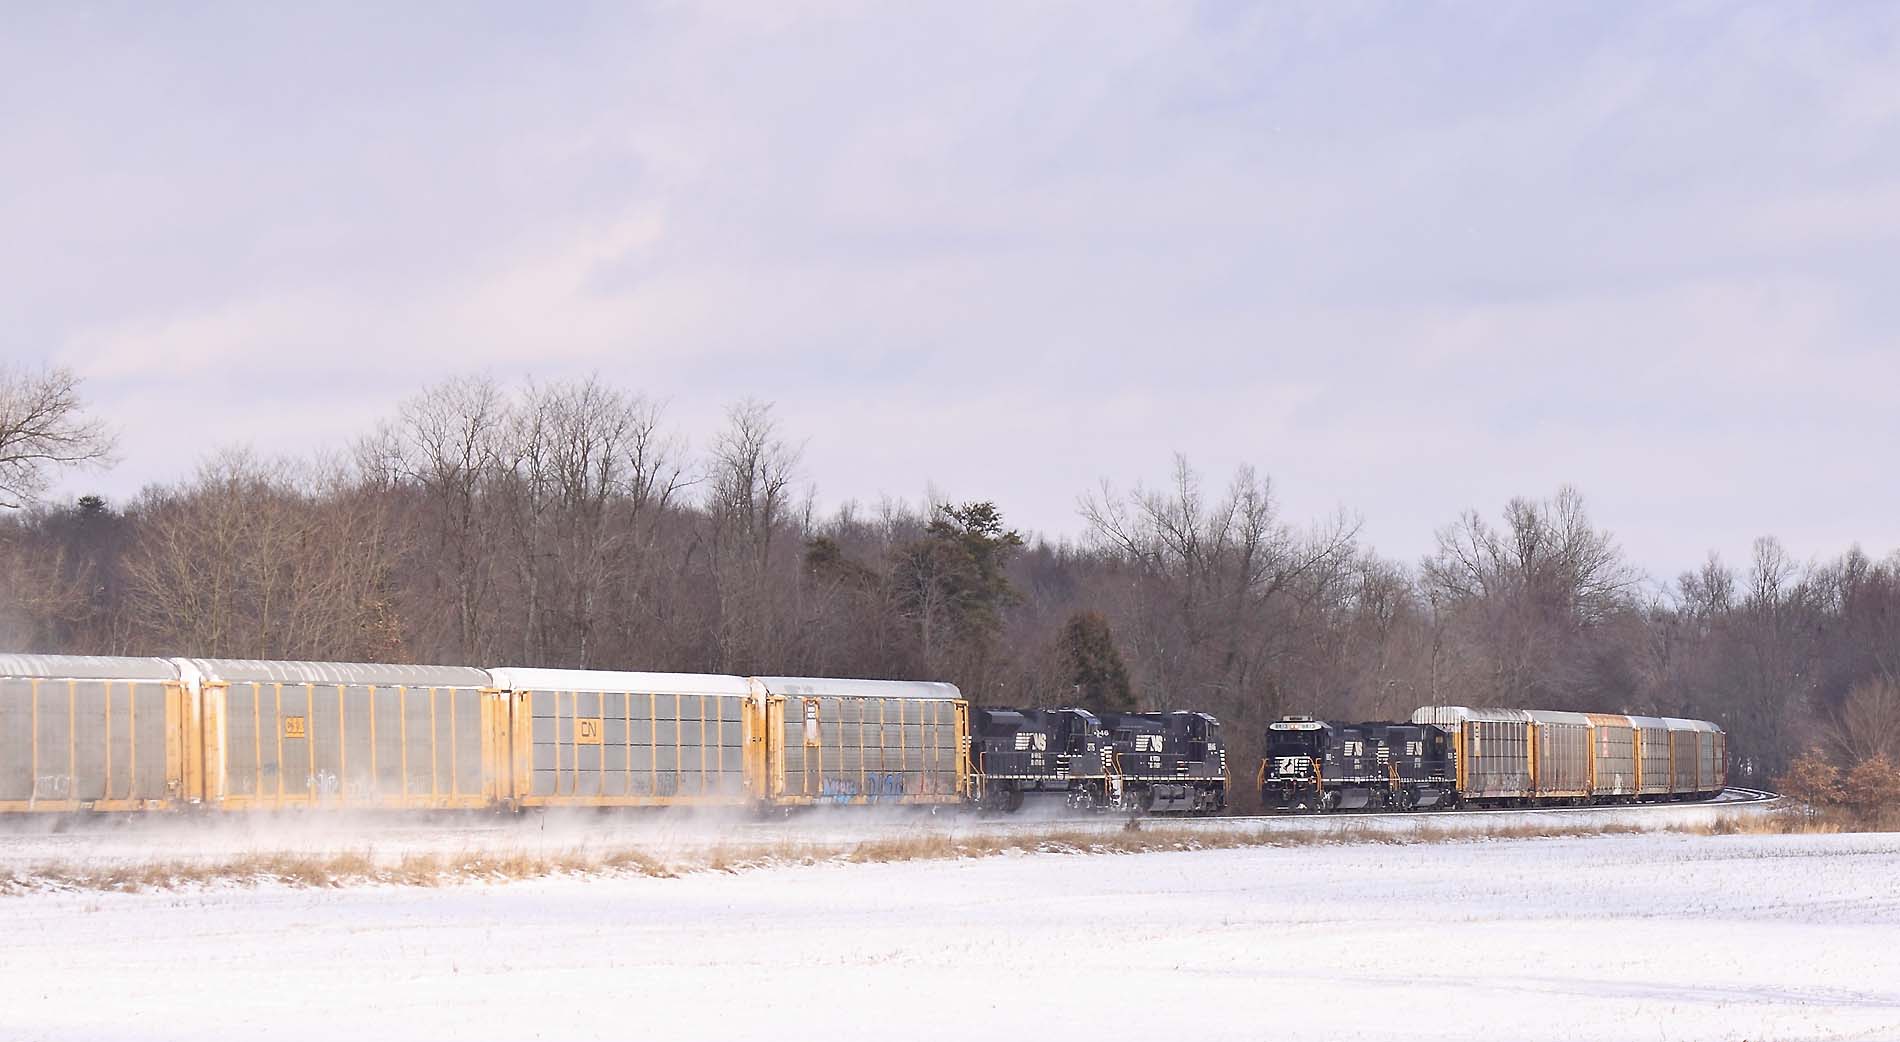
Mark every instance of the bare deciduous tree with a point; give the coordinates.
(614, 471)
(446, 443)
(749, 504)
(1221, 582)
(1868, 724)
(1523, 602)
(751, 474)
(43, 426)
(263, 560)
(550, 524)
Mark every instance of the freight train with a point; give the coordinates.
(129, 734)
(125, 734)
(1449, 756)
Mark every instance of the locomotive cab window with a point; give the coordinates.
(1298, 743)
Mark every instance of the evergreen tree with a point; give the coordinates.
(1093, 665)
(953, 583)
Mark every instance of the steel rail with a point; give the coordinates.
(1732, 796)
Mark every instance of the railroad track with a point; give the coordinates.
(1731, 797)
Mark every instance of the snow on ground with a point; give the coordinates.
(26, 843)
(1606, 937)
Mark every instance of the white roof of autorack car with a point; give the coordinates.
(1555, 716)
(928, 689)
(86, 667)
(1443, 714)
(1677, 723)
(353, 674)
(517, 678)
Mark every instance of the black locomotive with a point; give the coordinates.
(1018, 751)
(1318, 765)
(1170, 761)
(1116, 761)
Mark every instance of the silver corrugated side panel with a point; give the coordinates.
(591, 747)
(1682, 758)
(1614, 751)
(874, 742)
(109, 743)
(1563, 752)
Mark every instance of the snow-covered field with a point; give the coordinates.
(1605, 937)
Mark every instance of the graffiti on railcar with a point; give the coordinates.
(881, 785)
(871, 787)
(53, 787)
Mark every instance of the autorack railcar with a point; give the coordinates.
(270, 735)
(599, 738)
(862, 741)
(93, 732)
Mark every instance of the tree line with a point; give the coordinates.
(568, 524)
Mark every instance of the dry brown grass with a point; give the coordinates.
(1791, 822)
(359, 868)
(636, 862)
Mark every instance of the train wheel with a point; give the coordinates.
(1014, 802)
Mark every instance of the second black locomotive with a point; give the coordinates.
(1318, 765)
(1163, 762)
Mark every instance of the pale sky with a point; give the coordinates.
(1405, 259)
